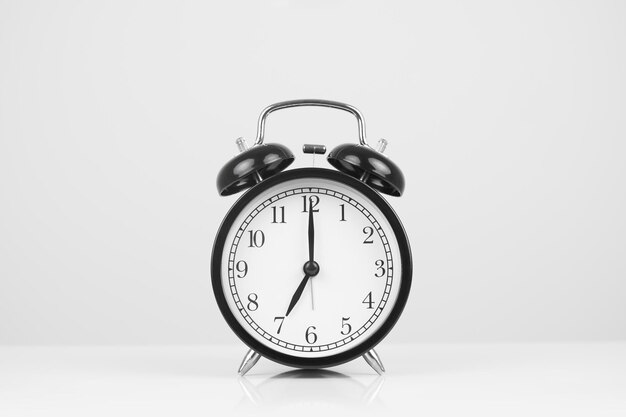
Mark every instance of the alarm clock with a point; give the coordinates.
(311, 267)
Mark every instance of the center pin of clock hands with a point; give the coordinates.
(311, 268)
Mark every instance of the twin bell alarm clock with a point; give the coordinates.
(311, 267)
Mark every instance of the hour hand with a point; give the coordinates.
(297, 294)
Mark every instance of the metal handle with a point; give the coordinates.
(260, 132)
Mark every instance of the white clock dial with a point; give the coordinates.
(337, 303)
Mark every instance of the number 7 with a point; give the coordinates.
(280, 326)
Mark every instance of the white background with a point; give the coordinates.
(508, 119)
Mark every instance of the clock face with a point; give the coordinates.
(308, 266)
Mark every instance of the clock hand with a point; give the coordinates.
(311, 268)
(311, 233)
(297, 294)
(311, 244)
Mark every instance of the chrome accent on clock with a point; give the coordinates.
(373, 360)
(251, 358)
(381, 145)
(260, 133)
(248, 362)
(241, 143)
(314, 149)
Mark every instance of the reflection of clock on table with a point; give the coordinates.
(314, 387)
(311, 267)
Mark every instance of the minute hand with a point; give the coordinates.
(311, 234)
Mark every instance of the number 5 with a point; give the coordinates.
(346, 328)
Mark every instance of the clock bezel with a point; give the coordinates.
(333, 359)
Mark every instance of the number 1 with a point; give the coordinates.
(343, 213)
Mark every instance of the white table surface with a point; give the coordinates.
(426, 379)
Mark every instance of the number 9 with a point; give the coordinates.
(242, 268)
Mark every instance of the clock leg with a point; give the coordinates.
(373, 360)
(248, 362)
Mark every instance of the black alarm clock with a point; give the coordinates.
(311, 267)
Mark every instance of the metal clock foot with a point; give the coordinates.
(373, 360)
(248, 362)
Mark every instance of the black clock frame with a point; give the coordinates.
(334, 359)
